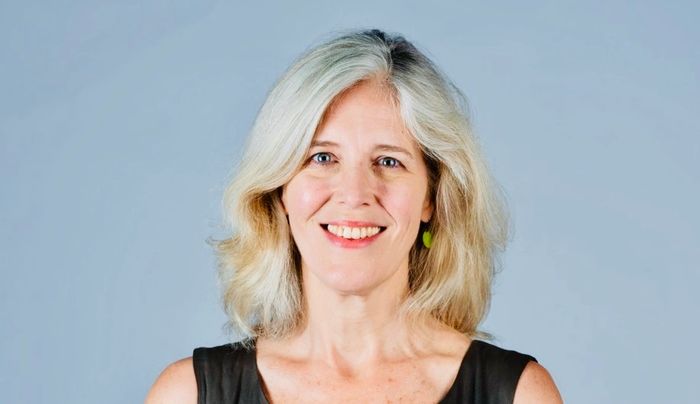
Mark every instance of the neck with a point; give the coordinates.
(353, 329)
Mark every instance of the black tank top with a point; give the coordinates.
(487, 375)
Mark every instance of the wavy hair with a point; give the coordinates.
(259, 264)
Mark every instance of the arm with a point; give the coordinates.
(536, 387)
(175, 385)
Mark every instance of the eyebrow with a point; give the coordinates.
(382, 147)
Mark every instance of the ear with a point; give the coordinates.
(427, 212)
(281, 192)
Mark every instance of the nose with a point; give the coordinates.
(355, 187)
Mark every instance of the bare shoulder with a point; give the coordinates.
(536, 386)
(176, 384)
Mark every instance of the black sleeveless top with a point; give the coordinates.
(487, 375)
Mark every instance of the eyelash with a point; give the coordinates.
(397, 163)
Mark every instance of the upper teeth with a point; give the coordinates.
(353, 232)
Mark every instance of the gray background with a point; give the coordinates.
(120, 123)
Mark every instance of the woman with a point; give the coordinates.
(365, 229)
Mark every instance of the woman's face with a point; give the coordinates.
(355, 206)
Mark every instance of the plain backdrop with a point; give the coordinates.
(121, 121)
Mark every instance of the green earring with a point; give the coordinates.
(427, 239)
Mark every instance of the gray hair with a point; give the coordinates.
(259, 270)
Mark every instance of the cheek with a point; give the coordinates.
(411, 212)
(406, 205)
(404, 209)
(303, 197)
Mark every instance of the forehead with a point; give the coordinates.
(365, 112)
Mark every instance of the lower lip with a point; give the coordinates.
(350, 243)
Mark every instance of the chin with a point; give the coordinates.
(352, 285)
(349, 280)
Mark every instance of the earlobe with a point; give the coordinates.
(427, 211)
(281, 194)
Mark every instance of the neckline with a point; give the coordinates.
(462, 369)
(455, 383)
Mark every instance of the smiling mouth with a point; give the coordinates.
(353, 233)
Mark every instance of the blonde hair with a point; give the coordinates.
(259, 269)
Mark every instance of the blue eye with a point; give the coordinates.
(321, 158)
(389, 162)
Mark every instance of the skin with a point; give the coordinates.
(352, 346)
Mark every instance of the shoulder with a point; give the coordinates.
(508, 364)
(176, 384)
(536, 386)
(524, 379)
(227, 356)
